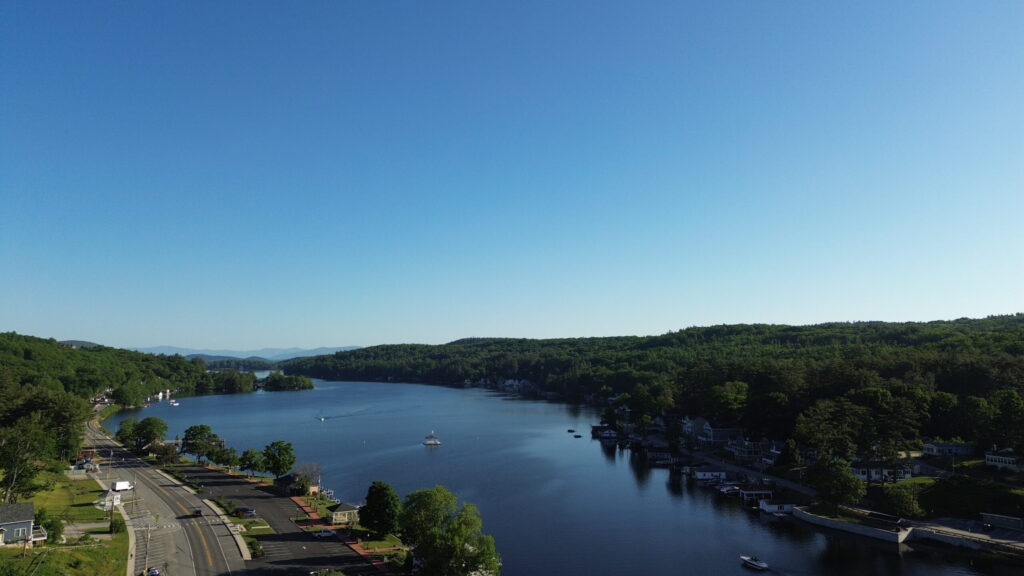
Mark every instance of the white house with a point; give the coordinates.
(1003, 459)
(709, 473)
(880, 471)
(775, 507)
(712, 435)
(948, 449)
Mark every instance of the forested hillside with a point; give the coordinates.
(46, 364)
(882, 381)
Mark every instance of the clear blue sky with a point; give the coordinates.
(249, 174)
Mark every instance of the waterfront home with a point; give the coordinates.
(771, 455)
(343, 514)
(718, 435)
(692, 427)
(960, 449)
(1003, 459)
(709, 473)
(870, 471)
(755, 493)
(17, 525)
(775, 507)
(764, 451)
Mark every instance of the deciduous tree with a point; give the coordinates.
(382, 510)
(446, 540)
(278, 458)
(251, 460)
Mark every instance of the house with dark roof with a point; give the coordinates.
(16, 525)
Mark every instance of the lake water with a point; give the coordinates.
(554, 504)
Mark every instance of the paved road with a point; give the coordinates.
(290, 550)
(166, 535)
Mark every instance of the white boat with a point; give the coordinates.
(754, 562)
(431, 440)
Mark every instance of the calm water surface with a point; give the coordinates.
(554, 504)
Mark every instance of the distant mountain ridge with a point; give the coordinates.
(271, 354)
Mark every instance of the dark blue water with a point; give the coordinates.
(554, 504)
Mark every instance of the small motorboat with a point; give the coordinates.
(431, 440)
(577, 435)
(754, 562)
(571, 431)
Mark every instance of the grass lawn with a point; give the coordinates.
(390, 541)
(107, 559)
(71, 499)
(923, 481)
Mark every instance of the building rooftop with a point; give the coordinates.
(17, 513)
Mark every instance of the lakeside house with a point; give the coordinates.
(1004, 459)
(692, 427)
(775, 507)
(713, 435)
(709, 473)
(870, 471)
(960, 449)
(17, 525)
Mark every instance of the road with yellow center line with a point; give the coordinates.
(160, 511)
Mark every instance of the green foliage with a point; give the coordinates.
(25, 448)
(200, 441)
(382, 510)
(251, 460)
(278, 458)
(84, 372)
(136, 435)
(117, 524)
(886, 384)
(126, 432)
(964, 496)
(53, 526)
(277, 381)
(902, 499)
(165, 453)
(835, 483)
(226, 457)
(446, 539)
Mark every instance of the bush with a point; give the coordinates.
(117, 525)
(53, 526)
(903, 500)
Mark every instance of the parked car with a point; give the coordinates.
(244, 512)
(324, 533)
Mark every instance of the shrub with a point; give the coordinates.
(117, 525)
